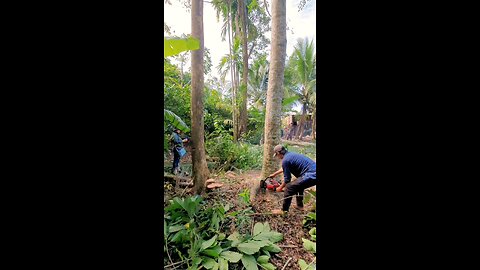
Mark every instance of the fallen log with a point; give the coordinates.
(176, 177)
(186, 184)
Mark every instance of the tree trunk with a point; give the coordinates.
(301, 126)
(243, 88)
(314, 120)
(237, 84)
(232, 73)
(199, 163)
(275, 86)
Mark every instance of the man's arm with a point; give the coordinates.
(276, 173)
(287, 177)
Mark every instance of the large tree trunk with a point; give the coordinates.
(199, 164)
(275, 86)
(243, 88)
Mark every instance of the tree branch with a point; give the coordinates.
(266, 8)
(251, 50)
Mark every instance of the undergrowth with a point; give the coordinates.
(197, 236)
(230, 155)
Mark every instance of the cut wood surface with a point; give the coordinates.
(214, 185)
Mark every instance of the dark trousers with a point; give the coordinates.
(176, 159)
(296, 188)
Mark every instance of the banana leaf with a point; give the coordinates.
(173, 46)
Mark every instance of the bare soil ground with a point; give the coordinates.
(290, 226)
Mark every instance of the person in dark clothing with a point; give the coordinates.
(178, 150)
(301, 167)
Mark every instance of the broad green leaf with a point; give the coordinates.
(272, 248)
(213, 252)
(268, 266)
(178, 236)
(303, 265)
(251, 247)
(231, 256)
(174, 46)
(313, 231)
(221, 236)
(176, 122)
(276, 237)
(263, 259)
(197, 261)
(208, 263)
(309, 245)
(235, 238)
(266, 252)
(222, 264)
(208, 243)
(175, 228)
(258, 228)
(249, 262)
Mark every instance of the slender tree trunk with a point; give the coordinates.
(243, 92)
(275, 86)
(314, 120)
(301, 126)
(237, 84)
(232, 73)
(199, 164)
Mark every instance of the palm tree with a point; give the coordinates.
(199, 163)
(258, 83)
(275, 86)
(302, 64)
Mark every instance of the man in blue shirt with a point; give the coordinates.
(301, 167)
(178, 146)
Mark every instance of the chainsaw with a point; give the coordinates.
(269, 183)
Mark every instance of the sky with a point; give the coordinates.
(302, 24)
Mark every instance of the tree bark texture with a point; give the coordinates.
(243, 88)
(275, 86)
(199, 163)
(301, 126)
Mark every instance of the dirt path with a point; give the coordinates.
(290, 226)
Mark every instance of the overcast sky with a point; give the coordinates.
(301, 24)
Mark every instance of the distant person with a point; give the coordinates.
(301, 167)
(178, 150)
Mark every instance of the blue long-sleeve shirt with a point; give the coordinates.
(299, 166)
(177, 141)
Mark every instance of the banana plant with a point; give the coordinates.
(175, 45)
(171, 119)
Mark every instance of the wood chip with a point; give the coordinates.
(214, 185)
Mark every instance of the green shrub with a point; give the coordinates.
(240, 155)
